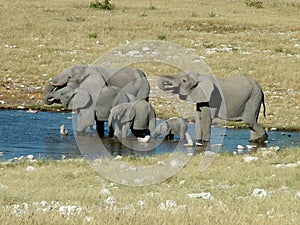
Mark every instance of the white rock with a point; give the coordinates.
(30, 168)
(110, 200)
(171, 204)
(260, 193)
(181, 182)
(240, 147)
(20, 107)
(250, 159)
(88, 219)
(30, 157)
(274, 148)
(3, 186)
(289, 165)
(118, 157)
(202, 195)
(251, 146)
(141, 203)
(67, 210)
(297, 195)
(105, 192)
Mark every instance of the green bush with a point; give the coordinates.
(105, 5)
(254, 3)
(161, 37)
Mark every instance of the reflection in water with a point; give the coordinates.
(24, 133)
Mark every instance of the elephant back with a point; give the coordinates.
(131, 80)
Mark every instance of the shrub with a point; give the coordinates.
(93, 35)
(254, 3)
(105, 5)
(161, 37)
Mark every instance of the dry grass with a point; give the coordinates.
(39, 39)
(231, 181)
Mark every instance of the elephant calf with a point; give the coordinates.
(139, 116)
(173, 126)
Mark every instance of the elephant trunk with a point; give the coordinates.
(49, 98)
(167, 83)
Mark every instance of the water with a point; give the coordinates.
(23, 133)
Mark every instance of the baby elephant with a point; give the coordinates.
(173, 126)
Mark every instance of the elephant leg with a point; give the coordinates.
(257, 134)
(198, 131)
(170, 136)
(189, 139)
(100, 128)
(203, 124)
(111, 131)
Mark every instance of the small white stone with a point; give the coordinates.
(250, 159)
(297, 195)
(141, 203)
(202, 195)
(240, 147)
(181, 182)
(171, 204)
(30, 168)
(105, 192)
(118, 157)
(110, 200)
(274, 148)
(260, 193)
(30, 157)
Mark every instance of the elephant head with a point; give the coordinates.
(190, 86)
(62, 87)
(161, 128)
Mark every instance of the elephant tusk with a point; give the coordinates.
(55, 84)
(51, 99)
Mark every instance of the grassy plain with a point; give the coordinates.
(38, 39)
(42, 195)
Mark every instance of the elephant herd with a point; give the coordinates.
(121, 98)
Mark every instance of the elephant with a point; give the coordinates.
(109, 97)
(139, 116)
(174, 125)
(237, 99)
(78, 88)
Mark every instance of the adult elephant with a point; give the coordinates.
(237, 98)
(139, 116)
(79, 87)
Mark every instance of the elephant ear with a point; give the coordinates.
(203, 89)
(80, 100)
(129, 114)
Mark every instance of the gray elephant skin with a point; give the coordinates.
(173, 126)
(139, 116)
(92, 91)
(236, 99)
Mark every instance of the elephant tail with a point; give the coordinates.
(263, 103)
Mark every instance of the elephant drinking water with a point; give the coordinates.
(79, 87)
